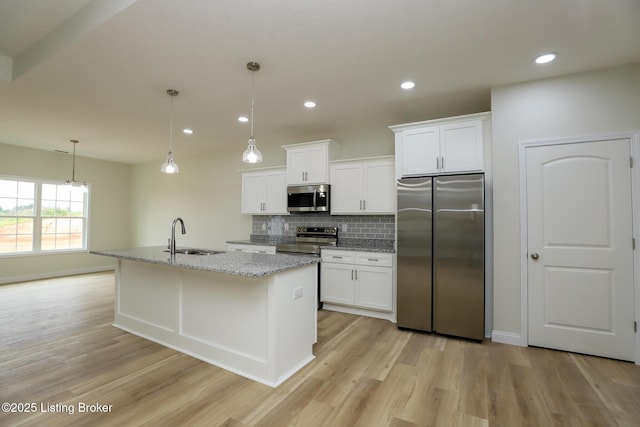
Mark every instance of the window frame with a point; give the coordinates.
(37, 220)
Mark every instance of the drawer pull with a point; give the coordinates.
(336, 257)
(373, 259)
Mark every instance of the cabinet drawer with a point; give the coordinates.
(237, 248)
(380, 259)
(263, 249)
(341, 257)
(256, 249)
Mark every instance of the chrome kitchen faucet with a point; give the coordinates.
(172, 241)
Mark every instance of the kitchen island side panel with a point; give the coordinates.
(259, 328)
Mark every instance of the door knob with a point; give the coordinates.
(535, 256)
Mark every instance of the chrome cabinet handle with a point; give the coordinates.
(356, 274)
(364, 205)
(535, 256)
(351, 274)
(438, 162)
(442, 162)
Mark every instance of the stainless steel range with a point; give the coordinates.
(309, 240)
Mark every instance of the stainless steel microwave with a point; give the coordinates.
(308, 198)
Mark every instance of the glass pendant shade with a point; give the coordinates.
(252, 154)
(170, 165)
(81, 186)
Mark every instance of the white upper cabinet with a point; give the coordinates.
(308, 163)
(364, 186)
(461, 146)
(421, 151)
(449, 145)
(264, 192)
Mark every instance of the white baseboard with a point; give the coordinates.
(390, 316)
(53, 274)
(507, 338)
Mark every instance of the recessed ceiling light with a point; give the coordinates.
(546, 58)
(408, 85)
(310, 104)
(243, 119)
(187, 131)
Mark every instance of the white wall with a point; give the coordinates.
(109, 226)
(602, 101)
(134, 205)
(206, 193)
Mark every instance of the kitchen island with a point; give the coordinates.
(252, 314)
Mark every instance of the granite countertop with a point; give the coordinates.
(233, 263)
(365, 245)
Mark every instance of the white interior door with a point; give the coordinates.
(580, 265)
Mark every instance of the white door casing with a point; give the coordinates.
(577, 256)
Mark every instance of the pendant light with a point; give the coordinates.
(170, 166)
(72, 182)
(252, 154)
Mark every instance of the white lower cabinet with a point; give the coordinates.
(256, 249)
(361, 280)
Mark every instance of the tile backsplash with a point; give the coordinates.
(349, 226)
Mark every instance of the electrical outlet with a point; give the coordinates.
(264, 226)
(344, 228)
(297, 293)
(286, 226)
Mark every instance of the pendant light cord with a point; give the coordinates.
(73, 163)
(253, 81)
(171, 127)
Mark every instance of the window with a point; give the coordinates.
(17, 213)
(38, 216)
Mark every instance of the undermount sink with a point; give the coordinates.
(195, 252)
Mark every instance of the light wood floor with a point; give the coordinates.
(57, 346)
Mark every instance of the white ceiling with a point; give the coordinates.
(98, 70)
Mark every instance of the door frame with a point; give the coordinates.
(634, 144)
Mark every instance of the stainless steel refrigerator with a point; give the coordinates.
(440, 253)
